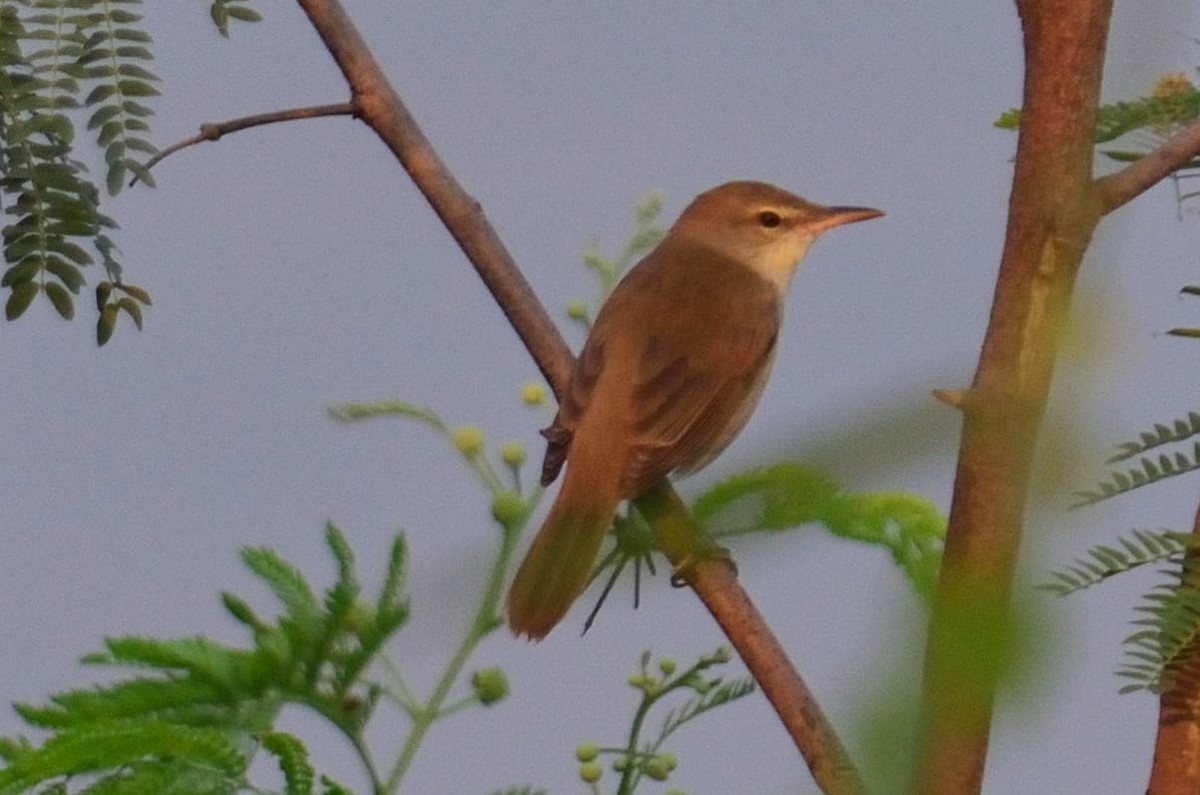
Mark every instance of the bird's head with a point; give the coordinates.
(761, 226)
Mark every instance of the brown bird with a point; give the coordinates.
(671, 371)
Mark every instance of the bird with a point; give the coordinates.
(671, 370)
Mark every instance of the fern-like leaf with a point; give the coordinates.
(1177, 431)
(787, 495)
(1161, 111)
(1102, 562)
(722, 693)
(111, 744)
(49, 57)
(1168, 644)
(293, 761)
(1148, 471)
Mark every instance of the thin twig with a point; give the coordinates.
(1147, 171)
(714, 580)
(213, 131)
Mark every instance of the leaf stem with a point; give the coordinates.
(483, 623)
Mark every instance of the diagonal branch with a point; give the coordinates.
(380, 107)
(713, 580)
(215, 130)
(1144, 173)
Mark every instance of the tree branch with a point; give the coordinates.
(1052, 212)
(214, 131)
(1144, 173)
(378, 105)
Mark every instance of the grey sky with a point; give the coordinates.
(295, 267)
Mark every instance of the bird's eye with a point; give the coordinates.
(769, 218)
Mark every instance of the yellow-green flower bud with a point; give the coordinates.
(513, 453)
(508, 508)
(361, 617)
(533, 393)
(490, 685)
(577, 310)
(587, 752)
(657, 769)
(667, 666)
(619, 764)
(723, 654)
(468, 440)
(637, 680)
(590, 772)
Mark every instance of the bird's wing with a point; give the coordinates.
(691, 397)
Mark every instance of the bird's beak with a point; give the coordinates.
(836, 216)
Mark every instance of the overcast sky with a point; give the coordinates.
(295, 267)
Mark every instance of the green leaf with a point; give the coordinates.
(133, 309)
(21, 272)
(787, 495)
(103, 291)
(115, 179)
(19, 300)
(106, 323)
(135, 292)
(61, 298)
(244, 14)
(108, 744)
(293, 761)
(220, 18)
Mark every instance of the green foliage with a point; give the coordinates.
(1192, 291)
(225, 11)
(640, 758)
(1165, 647)
(1102, 562)
(1146, 472)
(190, 723)
(293, 761)
(609, 270)
(58, 60)
(1158, 112)
(787, 495)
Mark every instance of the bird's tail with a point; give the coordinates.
(556, 567)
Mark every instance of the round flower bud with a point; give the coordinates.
(533, 393)
(590, 772)
(468, 440)
(667, 666)
(513, 453)
(490, 685)
(587, 752)
(577, 310)
(508, 508)
(657, 769)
